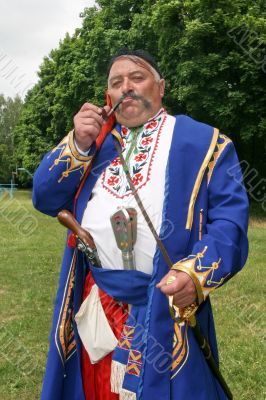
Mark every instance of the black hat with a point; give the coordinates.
(137, 53)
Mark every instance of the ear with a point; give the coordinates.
(162, 87)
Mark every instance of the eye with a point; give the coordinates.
(116, 83)
(138, 78)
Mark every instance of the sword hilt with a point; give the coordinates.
(124, 224)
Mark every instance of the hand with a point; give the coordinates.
(88, 123)
(182, 288)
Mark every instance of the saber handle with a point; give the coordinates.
(124, 224)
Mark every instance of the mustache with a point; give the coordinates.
(146, 103)
(134, 96)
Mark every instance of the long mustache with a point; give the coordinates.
(134, 96)
(146, 103)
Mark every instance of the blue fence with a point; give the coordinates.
(8, 188)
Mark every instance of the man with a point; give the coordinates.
(179, 169)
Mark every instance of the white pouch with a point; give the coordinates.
(93, 327)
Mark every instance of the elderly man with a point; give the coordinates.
(179, 169)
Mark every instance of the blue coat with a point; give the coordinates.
(198, 177)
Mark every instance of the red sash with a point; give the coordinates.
(96, 377)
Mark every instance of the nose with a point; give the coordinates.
(127, 86)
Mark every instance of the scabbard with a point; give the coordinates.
(206, 350)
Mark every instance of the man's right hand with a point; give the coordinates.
(88, 123)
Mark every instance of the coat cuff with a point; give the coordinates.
(83, 156)
(67, 158)
(204, 272)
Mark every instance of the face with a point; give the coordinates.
(143, 91)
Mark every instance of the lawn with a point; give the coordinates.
(31, 247)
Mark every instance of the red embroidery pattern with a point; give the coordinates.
(134, 363)
(126, 337)
(140, 161)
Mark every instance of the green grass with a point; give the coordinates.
(239, 310)
(29, 267)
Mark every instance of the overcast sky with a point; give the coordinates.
(29, 30)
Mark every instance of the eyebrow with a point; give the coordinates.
(121, 76)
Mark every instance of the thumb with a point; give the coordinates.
(166, 280)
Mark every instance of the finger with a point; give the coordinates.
(174, 287)
(183, 301)
(89, 122)
(87, 131)
(90, 114)
(182, 297)
(186, 296)
(165, 279)
(84, 129)
(161, 283)
(89, 106)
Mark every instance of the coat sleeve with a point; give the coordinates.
(223, 249)
(58, 176)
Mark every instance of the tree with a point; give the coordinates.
(10, 111)
(212, 55)
(219, 73)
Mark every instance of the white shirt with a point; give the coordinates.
(147, 165)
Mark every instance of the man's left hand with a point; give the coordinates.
(182, 288)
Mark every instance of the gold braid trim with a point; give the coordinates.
(74, 150)
(199, 178)
(70, 157)
(221, 144)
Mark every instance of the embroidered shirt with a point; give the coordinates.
(146, 150)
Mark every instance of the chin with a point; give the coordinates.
(132, 119)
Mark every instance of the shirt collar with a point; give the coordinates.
(125, 130)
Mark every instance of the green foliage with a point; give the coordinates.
(9, 116)
(212, 55)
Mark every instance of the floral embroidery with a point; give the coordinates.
(151, 125)
(146, 141)
(141, 157)
(144, 145)
(116, 161)
(113, 180)
(137, 179)
(124, 131)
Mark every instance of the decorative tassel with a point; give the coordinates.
(118, 371)
(72, 242)
(126, 395)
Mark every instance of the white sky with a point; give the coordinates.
(29, 30)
